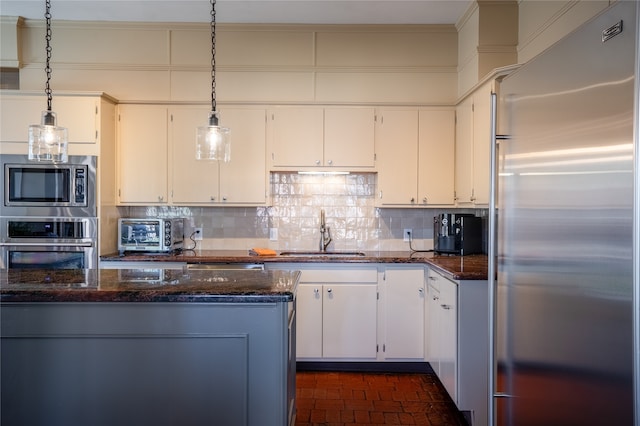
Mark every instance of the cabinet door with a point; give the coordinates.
(309, 321)
(396, 156)
(449, 339)
(404, 316)
(436, 157)
(244, 178)
(464, 152)
(481, 144)
(192, 181)
(297, 135)
(349, 321)
(79, 114)
(433, 308)
(142, 154)
(349, 137)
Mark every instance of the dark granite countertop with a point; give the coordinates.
(471, 267)
(147, 285)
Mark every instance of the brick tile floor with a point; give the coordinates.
(357, 398)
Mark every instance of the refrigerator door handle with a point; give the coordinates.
(492, 255)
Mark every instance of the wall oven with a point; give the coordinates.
(48, 189)
(48, 243)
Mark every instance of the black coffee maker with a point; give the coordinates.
(457, 233)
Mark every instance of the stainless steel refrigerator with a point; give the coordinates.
(565, 208)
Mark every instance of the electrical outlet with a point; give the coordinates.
(197, 234)
(273, 234)
(406, 235)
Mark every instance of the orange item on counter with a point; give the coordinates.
(256, 251)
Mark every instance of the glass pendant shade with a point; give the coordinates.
(213, 142)
(48, 142)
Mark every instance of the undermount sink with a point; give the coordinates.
(322, 253)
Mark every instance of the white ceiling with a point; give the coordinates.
(246, 11)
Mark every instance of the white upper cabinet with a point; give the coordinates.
(79, 114)
(415, 157)
(396, 156)
(192, 181)
(436, 153)
(473, 145)
(297, 136)
(244, 179)
(142, 154)
(147, 175)
(464, 152)
(312, 137)
(349, 137)
(482, 144)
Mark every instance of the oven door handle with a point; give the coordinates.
(61, 244)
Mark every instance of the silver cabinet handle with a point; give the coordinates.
(160, 198)
(213, 198)
(316, 291)
(317, 162)
(424, 200)
(224, 198)
(329, 290)
(421, 291)
(330, 162)
(413, 200)
(447, 307)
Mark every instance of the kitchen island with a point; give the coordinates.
(147, 347)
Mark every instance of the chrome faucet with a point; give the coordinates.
(325, 233)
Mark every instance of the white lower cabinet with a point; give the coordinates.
(402, 294)
(443, 326)
(337, 312)
(349, 320)
(458, 341)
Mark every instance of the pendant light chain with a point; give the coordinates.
(213, 55)
(47, 69)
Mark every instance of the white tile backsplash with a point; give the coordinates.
(349, 204)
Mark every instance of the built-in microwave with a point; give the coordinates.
(48, 189)
(150, 234)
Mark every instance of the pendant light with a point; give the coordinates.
(47, 141)
(213, 141)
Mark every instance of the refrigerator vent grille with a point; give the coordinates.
(612, 31)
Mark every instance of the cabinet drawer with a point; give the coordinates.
(360, 275)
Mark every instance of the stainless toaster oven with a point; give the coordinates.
(150, 235)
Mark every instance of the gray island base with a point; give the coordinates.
(153, 362)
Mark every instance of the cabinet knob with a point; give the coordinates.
(331, 162)
(421, 291)
(160, 198)
(213, 198)
(329, 290)
(224, 198)
(316, 291)
(447, 307)
(317, 162)
(424, 200)
(413, 200)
